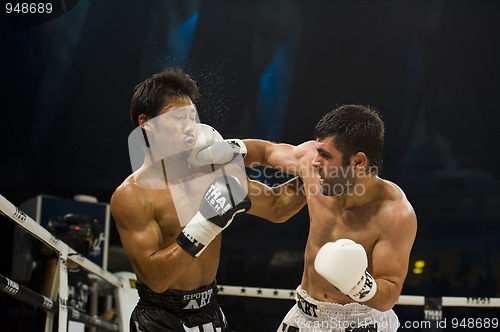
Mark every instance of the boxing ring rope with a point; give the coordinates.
(120, 282)
(289, 294)
(35, 229)
(27, 295)
(61, 278)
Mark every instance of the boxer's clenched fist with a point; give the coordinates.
(211, 148)
(223, 200)
(343, 263)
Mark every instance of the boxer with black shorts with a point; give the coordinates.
(175, 310)
(173, 243)
(362, 227)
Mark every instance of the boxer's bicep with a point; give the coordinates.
(285, 157)
(139, 234)
(289, 158)
(388, 264)
(391, 253)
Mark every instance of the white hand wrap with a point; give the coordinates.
(201, 229)
(343, 263)
(223, 200)
(211, 148)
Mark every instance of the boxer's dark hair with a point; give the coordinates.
(155, 92)
(356, 128)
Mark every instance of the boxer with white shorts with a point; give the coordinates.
(362, 227)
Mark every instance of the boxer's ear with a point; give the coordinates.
(143, 119)
(359, 161)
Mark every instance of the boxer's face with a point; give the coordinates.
(335, 178)
(172, 132)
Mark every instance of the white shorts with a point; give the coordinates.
(310, 315)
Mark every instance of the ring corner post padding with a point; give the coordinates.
(126, 296)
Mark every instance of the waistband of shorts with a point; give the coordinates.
(179, 302)
(325, 311)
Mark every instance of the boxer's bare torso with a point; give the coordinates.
(149, 220)
(157, 223)
(374, 213)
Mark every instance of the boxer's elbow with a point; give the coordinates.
(286, 207)
(157, 285)
(283, 212)
(279, 219)
(386, 297)
(154, 278)
(157, 288)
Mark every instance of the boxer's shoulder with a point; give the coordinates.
(131, 199)
(305, 153)
(395, 210)
(128, 191)
(394, 198)
(306, 149)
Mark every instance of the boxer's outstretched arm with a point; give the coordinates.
(284, 157)
(278, 203)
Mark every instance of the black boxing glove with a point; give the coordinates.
(223, 200)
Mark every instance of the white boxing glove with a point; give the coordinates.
(211, 148)
(343, 263)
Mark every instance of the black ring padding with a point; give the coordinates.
(25, 294)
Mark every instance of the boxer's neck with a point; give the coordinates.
(366, 190)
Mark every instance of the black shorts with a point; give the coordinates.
(174, 310)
